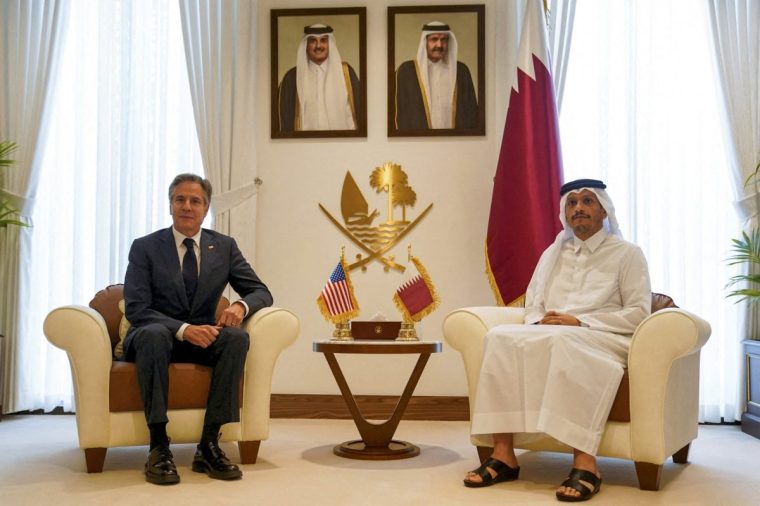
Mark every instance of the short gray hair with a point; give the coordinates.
(191, 178)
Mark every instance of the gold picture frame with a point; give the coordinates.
(409, 114)
(349, 28)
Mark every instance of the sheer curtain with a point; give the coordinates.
(735, 26)
(220, 45)
(640, 112)
(30, 34)
(561, 16)
(121, 127)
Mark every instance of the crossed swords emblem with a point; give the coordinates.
(393, 180)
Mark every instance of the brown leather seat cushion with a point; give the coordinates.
(188, 383)
(621, 406)
(188, 387)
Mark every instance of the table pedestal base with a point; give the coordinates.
(377, 441)
(357, 449)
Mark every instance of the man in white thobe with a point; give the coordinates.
(322, 91)
(558, 373)
(435, 90)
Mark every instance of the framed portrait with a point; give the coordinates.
(319, 72)
(436, 70)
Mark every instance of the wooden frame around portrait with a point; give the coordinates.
(350, 30)
(467, 22)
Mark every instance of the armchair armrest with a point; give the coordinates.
(663, 369)
(81, 332)
(666, 335)
(465, 329)
(271, 330)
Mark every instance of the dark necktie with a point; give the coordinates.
(190, 270)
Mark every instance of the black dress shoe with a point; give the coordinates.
(210, 459)
(160, 468)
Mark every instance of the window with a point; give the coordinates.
(122, 127)
(640, 111)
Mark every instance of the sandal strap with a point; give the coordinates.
(577, 485)
(577, 476)
(498, 467)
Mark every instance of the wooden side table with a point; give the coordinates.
(377, 441)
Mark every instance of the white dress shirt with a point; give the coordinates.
(181, 250)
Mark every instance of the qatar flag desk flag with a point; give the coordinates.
(524, 217)
(416, 298)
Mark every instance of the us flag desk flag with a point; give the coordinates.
(337, 302)
(525, 201)
(416, 298)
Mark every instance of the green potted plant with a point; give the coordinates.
(8, 214)
(745, 251)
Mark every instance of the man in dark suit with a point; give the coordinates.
(173, 284)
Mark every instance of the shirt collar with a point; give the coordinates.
(179, 237)
(592, 243)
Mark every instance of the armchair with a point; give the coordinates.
(109, 409)
(654, 415)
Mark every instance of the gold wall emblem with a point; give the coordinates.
(376, 240)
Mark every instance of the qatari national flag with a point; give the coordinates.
(417, 297)
(524, 215)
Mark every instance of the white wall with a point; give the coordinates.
(295, 247)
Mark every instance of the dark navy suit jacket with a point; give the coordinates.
(155, 293)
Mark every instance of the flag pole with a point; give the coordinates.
(407, 331)
(342, 330)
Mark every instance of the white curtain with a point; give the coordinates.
(736, 39)
(640, 112)
(561, 15)
(220, 49)
(30, 34)
(121, 127)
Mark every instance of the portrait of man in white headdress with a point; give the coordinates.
(322, 91)
(435, 90)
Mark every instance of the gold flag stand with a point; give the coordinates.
(407, 332)
(342, 332)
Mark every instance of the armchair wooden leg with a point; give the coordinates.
(682, 455)
(94, 459)
(649, 475)
(484, 452)
(249, 451)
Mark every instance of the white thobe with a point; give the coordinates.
(315, 105)
(325, 108)
(561, 380)
(441, 95)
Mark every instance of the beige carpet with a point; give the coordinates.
(41, 464)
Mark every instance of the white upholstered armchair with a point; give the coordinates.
(654, 415)
(109, 409)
